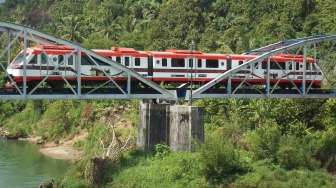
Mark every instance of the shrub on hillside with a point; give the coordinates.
(59, 119)
(264, 141)
(296, 153)
(221, 162)
(326, 149)
(265, 175)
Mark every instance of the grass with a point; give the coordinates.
(173, 170)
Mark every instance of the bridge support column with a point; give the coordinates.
(186, 127)
(154, 125)
(177, 126)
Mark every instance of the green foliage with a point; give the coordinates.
(222, 162)
(93, 144)
(75, 177)
(22, 123)
(326, 151)
(296, 137)
(59, 119)
(266, 175)
(174, 170)
(296, 153)
(162, 150)
(265, 141)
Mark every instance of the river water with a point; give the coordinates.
(22, 166)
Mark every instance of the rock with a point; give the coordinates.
(15, 136)
(96, 171)
(40, 141)
(3, 132)
(47, 184)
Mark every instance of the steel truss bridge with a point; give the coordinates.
(15, 37)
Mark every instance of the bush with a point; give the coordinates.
(326, 149)
(221, 161)
(59, 119)
(161, 150)
(264, 142)
(174, 170)
(295, 153)
(265, 175)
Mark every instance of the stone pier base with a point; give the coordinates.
(177, 126)
(154, 125)
(186, 127)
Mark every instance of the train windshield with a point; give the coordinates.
(20, 58)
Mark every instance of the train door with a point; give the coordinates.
(44, 64)
(228, 64)
(191, 67)
(127, 61)
(53, 65)
(290, 68)
(150, 66)
(70, 65)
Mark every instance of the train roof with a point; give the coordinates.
(170, 53)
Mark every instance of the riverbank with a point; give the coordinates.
(63, 149)
(22, 165)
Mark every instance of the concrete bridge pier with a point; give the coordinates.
(178, 126)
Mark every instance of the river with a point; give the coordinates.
(23, 166)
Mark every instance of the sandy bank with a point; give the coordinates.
(62, 152)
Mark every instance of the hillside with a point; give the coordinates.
(249, 143)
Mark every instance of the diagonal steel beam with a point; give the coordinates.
(167, 94)
(225, 75)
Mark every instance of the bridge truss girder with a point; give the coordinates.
(29, 35)
(264, 54)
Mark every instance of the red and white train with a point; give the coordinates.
(172, 66)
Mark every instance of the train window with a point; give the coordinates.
(222, 64)
(55, 59)
(137, 62)
(308, 66)
(60, 59)
(127, 61)
(44, 58)
(178, 62)
(278, 65)
(19, 58)
(70, 60)
(99, 62)
(297, 66)
(158, 62)
(118, 59)
(212, 63)
(274, 65)
(85, 60)
(241, 62)
(290, 65)
(191, 62)
(199, 63)
(229, 64)
(256, 65)
(164, 62)
(264, 65)
(33, 61)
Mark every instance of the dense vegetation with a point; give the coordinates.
(249, 143)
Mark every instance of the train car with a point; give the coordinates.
(170, 66)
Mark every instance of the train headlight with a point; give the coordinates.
(15, 66)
